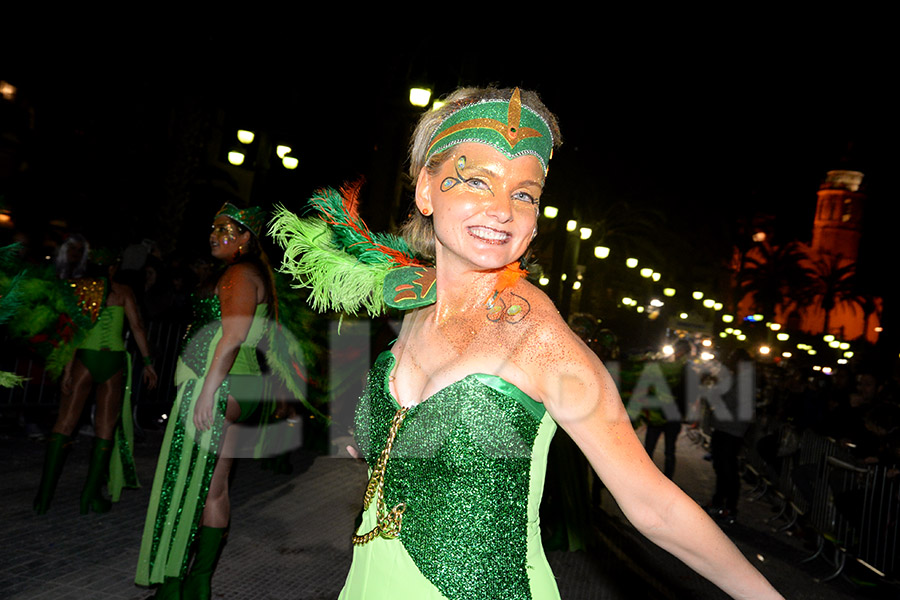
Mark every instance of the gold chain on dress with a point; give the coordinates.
(388, 522)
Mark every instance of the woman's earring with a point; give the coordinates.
(426, 211)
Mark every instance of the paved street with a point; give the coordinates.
(290, 536)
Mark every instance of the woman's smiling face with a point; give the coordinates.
(484, 206)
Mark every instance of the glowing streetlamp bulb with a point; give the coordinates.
(683, 316)
(718, 306)
(845, 346)
(419, 96)
(585, 232)
(783, 337)
(437, 104)
(646, 272)
(786, 354)
(571, 225)
(576, 285)
(669, 292)
(764, 349)
(290, 162)
(828, 338)
(727, 318)
(774, 326)
(601, 251)
(709, 303)
(631, 262)
(657, 303)
(245, 137)
(668, 350)
(848, 354)
(742, 337)
(834, 344)
(236, 158)
(281, 150)
(543, 281)
(550, 212)
(697, 295)
(627, 301)
(758, 317)
(707, 355)
(656, 276)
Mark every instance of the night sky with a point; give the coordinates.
(705, 130)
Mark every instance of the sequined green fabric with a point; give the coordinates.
(461, 463)
(197, 338)
(187, 459)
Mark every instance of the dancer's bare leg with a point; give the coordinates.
(74, 394)
(217, 510)
(109, 406)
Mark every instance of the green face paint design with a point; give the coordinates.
(451, 182)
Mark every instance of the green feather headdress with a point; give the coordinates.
(336, 256)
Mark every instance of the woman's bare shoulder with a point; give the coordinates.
(240, 274)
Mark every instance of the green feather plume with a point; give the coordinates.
(337, 280)
(339, 210)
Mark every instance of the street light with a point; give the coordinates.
(646, 272)
(601, 251)
(571, 225)
(419, 96)
(281, 150)
(550, 212)
(236, 157)
(585, 232)
(669, 292)
(631, 262)
(697, 295)
(289, 162)
(245, 137)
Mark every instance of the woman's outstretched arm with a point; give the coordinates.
(582, 398)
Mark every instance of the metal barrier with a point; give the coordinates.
(854, 510)
(878, 534)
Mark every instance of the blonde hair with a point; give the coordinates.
(418, 230)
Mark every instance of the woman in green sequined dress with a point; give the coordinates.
(219, 383)
(457, 417)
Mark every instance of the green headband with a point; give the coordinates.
(505, 125)
(251, 217)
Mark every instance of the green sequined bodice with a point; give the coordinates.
(461, 462)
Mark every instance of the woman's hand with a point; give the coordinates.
(150, 377)
(203, 410)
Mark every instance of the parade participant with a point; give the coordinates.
(100, 360)
(457, 416)
(219, 383)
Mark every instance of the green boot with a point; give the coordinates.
(198, 583)
(91, 498)
(57, 449)
(170, 589)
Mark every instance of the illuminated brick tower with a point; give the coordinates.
(838, 224)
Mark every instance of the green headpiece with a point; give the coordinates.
(251, 217)
(505, 125)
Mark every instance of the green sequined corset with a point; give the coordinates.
(461, 462)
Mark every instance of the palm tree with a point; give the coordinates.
(774, 276)
(836, 283)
